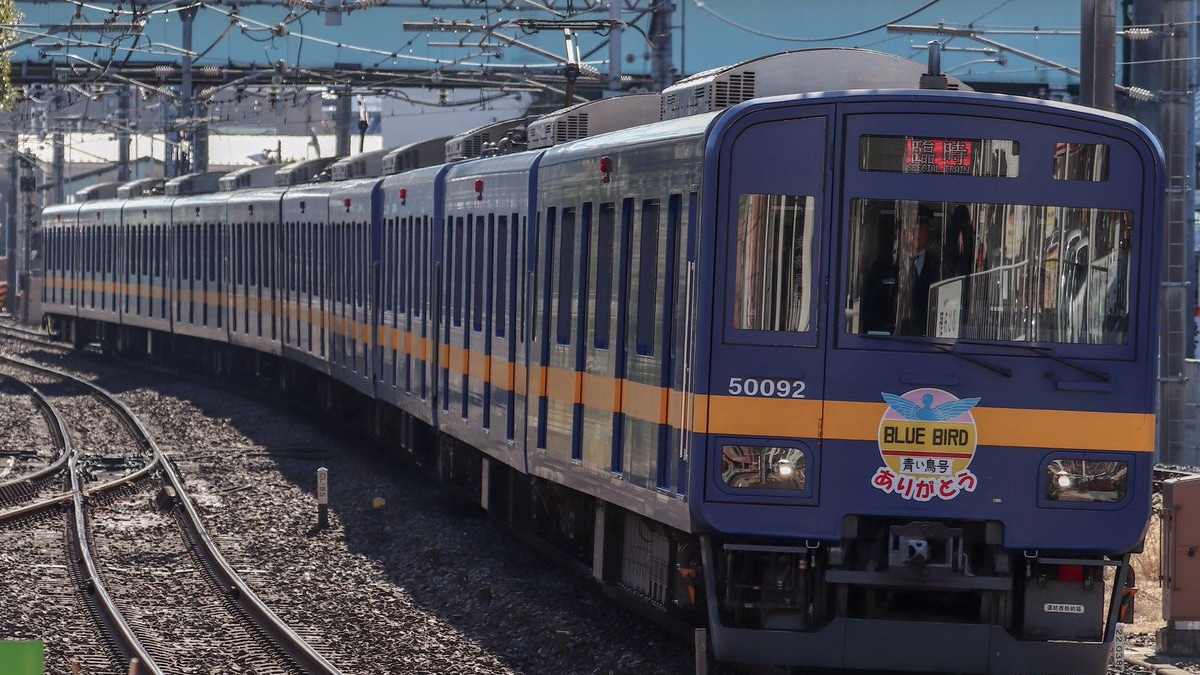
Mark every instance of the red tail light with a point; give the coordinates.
(1073, 573)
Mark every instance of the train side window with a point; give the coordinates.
(272, 259)
(212, 234)
(502, 246)
(457, 271)
(566, 275)
(542, 246)
(1086, 162)
(773, 287)
(403, 262)
(360, 287)
(601, 292)
(648, 263)
(144, 250)
(491, 286)
(478, 272)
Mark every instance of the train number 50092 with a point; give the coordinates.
(770, 388)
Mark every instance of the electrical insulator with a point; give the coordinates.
(1138, 33)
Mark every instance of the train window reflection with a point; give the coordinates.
(1086, 162)
(1004, 272)
(1079, 480)
(773, 288)
(764, 468)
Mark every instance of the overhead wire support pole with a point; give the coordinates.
(971, 34)
(187, 103)
(572, 65)
(614, 45)
(1177, 292)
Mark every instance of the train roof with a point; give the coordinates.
(415, 155)
(142, 187)
(593, 117)
(625, 139)
(361, 165)
(794, 72)
(516, 162)
(257, 195)
(248, 177)
(420, 176)
(479, 141)
(304, 171)
(98, 191)
(193, 183)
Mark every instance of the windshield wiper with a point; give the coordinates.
(1045, 352)
(944, 348)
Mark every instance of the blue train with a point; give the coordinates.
(822, 352)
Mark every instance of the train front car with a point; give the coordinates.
(930, 380)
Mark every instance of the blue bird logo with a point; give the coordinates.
(926, 411)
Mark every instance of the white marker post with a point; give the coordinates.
(322, 497)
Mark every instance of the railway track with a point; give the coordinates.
(151, 578)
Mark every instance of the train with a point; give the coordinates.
(824, 354)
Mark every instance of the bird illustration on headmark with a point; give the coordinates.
(926, 411)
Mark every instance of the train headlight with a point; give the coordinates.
(1086, 480)
(764, 468)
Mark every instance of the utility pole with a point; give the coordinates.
(58, 168)
(661, 67)
(1178, 297)
(1098, 54)
(614, 47)
(195, 130)
(58, 172)
(342, 119)
(123, 133)
(10, 232)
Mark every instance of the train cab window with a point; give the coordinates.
(764, 468)
(1087, 162)
(990, 271)
(774, 276)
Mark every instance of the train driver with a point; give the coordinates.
(896, 289)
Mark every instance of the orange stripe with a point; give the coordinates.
(749, 416)
(644, 402)
(1024, 428)
(560, 384)
(600, 393)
